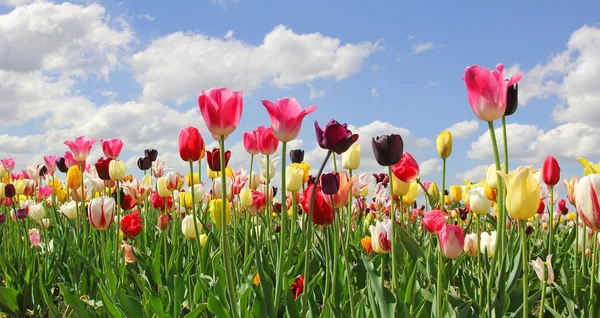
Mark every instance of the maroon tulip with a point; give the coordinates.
(9, 190)
(214, 159)
(335, 137)
(562, 207)
(551, 171)
(151, 153)
(330, 183)
(191, 144)
(388, 149)
(102, 168)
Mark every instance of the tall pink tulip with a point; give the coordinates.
(70, 159)
(9, 164)
(587, 199)
(51, 163)
(286, 117)
(487, 91)
(251, 143)
(112, 147)
(80, 147)
(267, 142)
(452, 241)
(221, 110)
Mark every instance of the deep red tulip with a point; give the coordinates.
(335, 137)
(551, 171)
(297, 286)
(102, 168)
(214, 159)
(387, 149)
(407, 169)
(131, 225)
(562, 206)
(541, 207)
(163, 221)
(191, 144)
(322, 212)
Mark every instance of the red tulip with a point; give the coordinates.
(551, 171)
(221, 110)
(286, 117)
(131, 225)
(407, 169)
(541, 207)
(158, 202)
(335, 137)
(163, 221)
(214, 159)
(112, 148)
(191, 144)
(297, 286)
(322, 212)
(562, 206)
(487, 91)
(434, 221)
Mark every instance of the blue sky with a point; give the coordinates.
(382, 67)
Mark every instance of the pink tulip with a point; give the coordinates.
(267, 142)
(70, 159)
(51, 163)
(251, 143)
(487, 91)
(34, 237)
(80, 147)
(452, 241)
(286, 117)
(9, 164)
(112, 147)
(434, 221)
(44, 192)
(221, 110)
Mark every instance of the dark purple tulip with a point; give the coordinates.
(388, 149)
(9, 190)
(297, 155)
(274, 191)
(61, 165)
(382, 178)
(21, 213)
(43, 171)
(144, 163)
(311, 180)
(2, 218)
(276, 228)
(335, 137)
(512, 99)
(529, 229)
(152, 154)
(330, 183)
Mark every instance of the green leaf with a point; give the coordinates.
(108, 303)
(409, 243)
(196, 312)
(130, 305)
(384, 297)
(216, 307)
(290, 304)
(73, 301)
(8, 300)
(156, 306)
(265, 284)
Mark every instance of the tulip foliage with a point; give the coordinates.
(86, 240)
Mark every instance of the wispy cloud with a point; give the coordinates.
(421, 47)
(145, 16)
(108, 94)
(432, 84)
(229, 34)
(375, 67)
(316, 93)
(223, 3)
(374, 92)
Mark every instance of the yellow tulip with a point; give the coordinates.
(455, 193)
(20, 185)
(523, 192)
(216, 212)
(293, 176)
(116, 170)
(148, 180)
(203, 239)
(188, 181)
(351, 158)
(447, 200)
(161, 185)
(444, 144)
(185, 199)
(489, 192)
(73, 178)
(246, 197)
(400, 188)
(211, 174)
(571, 216)
(412, 194)
(61, 194)
(434, 194)
(588, 167)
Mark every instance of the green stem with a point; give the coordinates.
(224, 238)
(269, 205)
(284, 219)
(592, 279)
(439, 288)
(505, 139)
(478, 225)
(347, 267)
(575, 263)
(308, 237)
(551, 221)
(392, 232)
(544, 284)
(117, 259)
(524, 257)
(194, 206)
(247, 216)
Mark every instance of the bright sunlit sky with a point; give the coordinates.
(133, 70)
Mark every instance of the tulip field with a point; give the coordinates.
(81, 237)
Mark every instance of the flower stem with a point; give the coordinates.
(505, 139)
(478, 225)
(224, 238)
(543, 299)
(393, 232)
(524, 257)
(551, 221)
(575, 263)
(194, 206)
(283, 216)
(246, 241)
(592, 280)
(308, 237)
(347, 267)
(438, 289)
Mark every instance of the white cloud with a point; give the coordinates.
(474, 175)
(108, 94)
(410, 37)
(283, 59)
(419, 48)
(316, 93)
(430, 166)
(224, 3)
(64, 37)
(229, 34)
(374, 92)
(146, 17)
(464, 129)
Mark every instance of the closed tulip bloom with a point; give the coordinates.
(74, 178)
(198, 192)
(286, 117)
(551, 171)
(570, 185)
(388, 149)
(221, 110)
(512, 99)
(330, 183)
(102, 168)
(452, 241)
(340, 198)
(562, 206)
(191, 144)
(272, 163)
(216, 212)
(37, 212)
(69, 209)
(267, 142)
(444, 144)
(8, 164)
(335, 137)
(434, 221)
(407, 169)
(351, 158)
(51, 163)
(151, 153)
(587, 197)
(161, 185)
(214, 159)
(471, 247)
(251, 143)
(588, 167)
(491, 176)
(434, 193)
(173, 181)
(523, 192)
(478, 201)
(296, 155)
(217, 188)
(187, 226)
(80, 147)
(487, 243)
(381, 236)
(412, 194)
(487, 91)
(116, 170)
(246, 197)
(543, 270)
(322, 212)
(400, 188)
(112, 148)
(163, 222)
(101, 212)
(455, 193)
(294, 177)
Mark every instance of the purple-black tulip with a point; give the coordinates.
(21, 213)
(297, 155)
(61, 165)
(9, 190)
(330, 183)
(388, 149)
(335, 137)
(151, 153)
(144, 163)
(512, 99)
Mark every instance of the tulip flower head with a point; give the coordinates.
(543, 269)
(101, 212)
(588, 167)
(570, 185)
(267, 143)
(69, 209)
(322, 212)
(286, 117)
(116, 170)
(523, 192)
(187, 226)
(294, 178)
(74, 178)
(452, 241)
(471, 247)
(487, 243)
(213, 157)
(131, 225)
(407, 169)
(587, 197)
(112, 148)
(340, 198)
(551, 171)
(335, 137)
(251, 142)
(478, 201)
(512, 99)
(434, 221)
(216, 211)
(351, 158)
(296, 155)
(221, 110)
(388, 149)
(272, 165)
(51, 163)
(381, 236)
(8, 164)
(297, 287)
(80, 147)
(443, 144)
(487, 91)
(152, 154)
(191, 144)
(330, 183)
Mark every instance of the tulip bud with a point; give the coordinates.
(297, 155)
(529, 229)
(214, 159)
(187, 226)
(294, 177)
(452, 239)
(161, 185)
(512, 100)
(541, 207)
(491, 177)
(151, 154)
(216, 212)
(144, 163)
(455, 193)
(203, 239)
(2, 218)
(198, 193)
(444, 144)
(351, 158)
(330, 183)
(479, 202)
(74, 178)
(246, 197)
(388, 149)
(116, 170)
(471, 245)
(434, 193)
(191, 144)
(9, 190)
(551, 171)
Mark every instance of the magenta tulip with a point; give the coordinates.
(286, 117)
(112, 147)
(221, 110)
(8, 164)
(452, 241)
(267, 142)
(251, 142)
(487, 91)
(80, 147)
(51, 163)
(434, 221)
